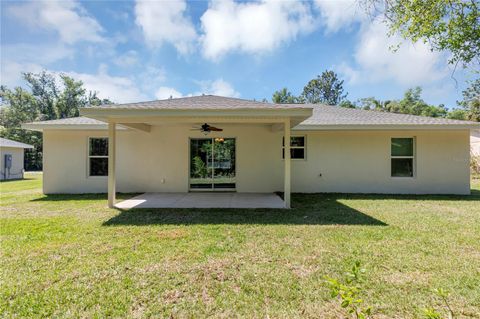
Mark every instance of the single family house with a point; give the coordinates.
(219, 144)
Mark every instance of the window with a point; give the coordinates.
(297, 147)
(98, 156)
(402, 157)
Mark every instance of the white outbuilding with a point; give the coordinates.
(12, 154)
(475, 142)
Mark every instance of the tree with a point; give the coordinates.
(471, 101)
(94, 100)
(326, 88)
(457, 114)
(348, 104)
(71, 98)
(284, 96)
(371, 103)
(446, 25)
(44, 89)
(20, 106)
(412, 103)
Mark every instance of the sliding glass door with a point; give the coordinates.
(212, 164)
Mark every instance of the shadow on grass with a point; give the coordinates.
(80, 197)
(315, 211)
(473, 196)
(308, 209)
(6, 181)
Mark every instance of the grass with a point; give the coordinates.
(70, 256)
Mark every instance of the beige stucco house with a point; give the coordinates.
(12, 154)
(212, 143)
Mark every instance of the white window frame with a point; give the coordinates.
(94, 156)
(304, 147)
(413, 157)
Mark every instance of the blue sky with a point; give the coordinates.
(143, 50)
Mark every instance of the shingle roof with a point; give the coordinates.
(72, 123)
(204, 102)
(324, 116)
(9, 143)
(335, 115)
(81, 120)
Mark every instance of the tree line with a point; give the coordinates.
(328, 89)
(47, 97)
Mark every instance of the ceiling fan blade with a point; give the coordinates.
(216, 129)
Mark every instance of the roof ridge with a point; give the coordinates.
(184, 98)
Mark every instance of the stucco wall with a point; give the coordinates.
(16, 171)
(348, 161)
(359, 162)
(159, 161)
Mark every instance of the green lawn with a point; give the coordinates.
(70, 256)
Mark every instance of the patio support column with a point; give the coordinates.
(287, 177)
(112, 141)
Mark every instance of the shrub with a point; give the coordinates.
(348, 292)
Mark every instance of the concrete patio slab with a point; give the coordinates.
(203, 200)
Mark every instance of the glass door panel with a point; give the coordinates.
(224, 163)
(212, 164)
(201, 163)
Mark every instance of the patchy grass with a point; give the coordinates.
(70, 256)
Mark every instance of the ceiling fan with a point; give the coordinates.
(205, 129)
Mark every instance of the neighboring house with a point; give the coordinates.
(475, 142)
(12, 153)
(160, 146)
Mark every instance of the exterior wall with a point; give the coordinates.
(159, 161)
(348, 161)
(359, 162)
(16, 171)
(475, 142)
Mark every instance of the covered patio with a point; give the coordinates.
(145, 117)
(203, 200)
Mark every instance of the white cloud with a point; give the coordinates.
(20, 58)
(373, 60)
(165, 21)
(154, 74)
(410, 65)
(68, 18)
(165, 92)
(213, 87)
(116, 88)
(252, 27)
(128, 59)
(351, 74)
(11, 72)
(337, 14)
(217, 87)
(37, 53)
